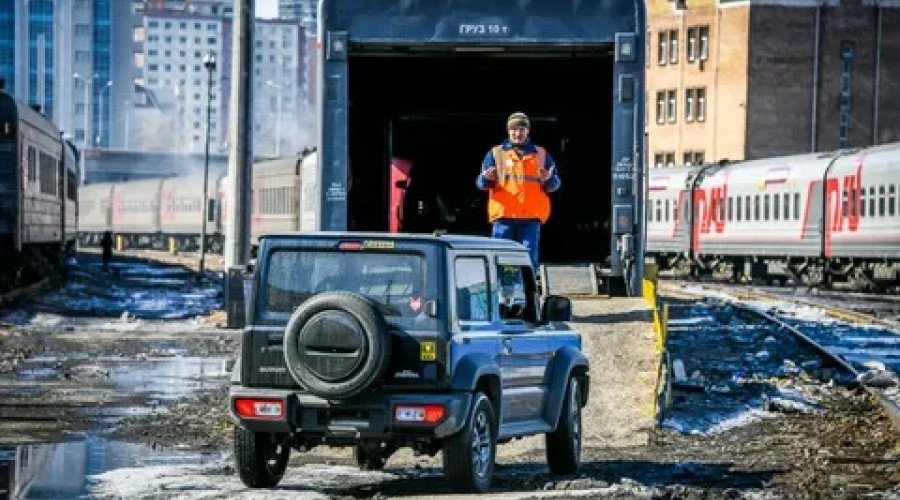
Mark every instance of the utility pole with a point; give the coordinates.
(240, 128)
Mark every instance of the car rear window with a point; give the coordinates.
(393, 280)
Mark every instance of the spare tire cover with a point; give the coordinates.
(336, 344)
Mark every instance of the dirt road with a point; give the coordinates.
(161, 382)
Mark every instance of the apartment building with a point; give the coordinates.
(757, 78)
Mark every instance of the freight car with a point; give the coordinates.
(38, 193)
(815, 219)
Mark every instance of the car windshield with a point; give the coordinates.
(393, 280)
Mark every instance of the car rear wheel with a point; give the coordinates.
(469, 454)
(337, 344)
(564, 444)
(261, 457)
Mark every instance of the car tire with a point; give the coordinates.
(337, 344)
(469, 454)
(564, 444)
(261, 457)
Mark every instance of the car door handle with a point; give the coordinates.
(507, 346)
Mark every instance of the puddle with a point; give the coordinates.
(163, 378)
(142, 290)
(62, 470)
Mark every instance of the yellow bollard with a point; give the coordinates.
(173, 245)
(120, 242)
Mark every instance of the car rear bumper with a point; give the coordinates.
(363, 417)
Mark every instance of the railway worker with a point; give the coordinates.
(518, 175)
(106, 244)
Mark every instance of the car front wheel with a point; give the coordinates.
(469, 455)
(261, 457)
(564, 444)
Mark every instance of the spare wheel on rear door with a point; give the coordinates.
(336, 344)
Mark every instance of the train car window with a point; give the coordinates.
(787, 206)
(872, 201)
(862, 202)
(881, 201)
(48, 174)
(668, 207)
(658, 210)
(720, 204)
(853, 201)
(748, 208)
(766, 207)
(892, 201)
(730, 208)
(844, 202)
(776, 206)
(796, 206)
(32, 165)
(757, 208)
(737, 211)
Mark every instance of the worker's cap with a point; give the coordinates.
(516, 120)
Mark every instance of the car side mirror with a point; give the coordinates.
(556, 308)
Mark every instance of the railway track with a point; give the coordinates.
(864, 344)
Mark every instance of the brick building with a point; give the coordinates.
(758, 78)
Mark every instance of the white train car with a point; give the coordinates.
(862, 215)
(181, 211)
(768, 207)
(668, 221)
(135, 213)
(95, 216)
(276, 196)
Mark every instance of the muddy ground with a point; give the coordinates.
(848, 450)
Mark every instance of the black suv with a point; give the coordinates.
(379, 341)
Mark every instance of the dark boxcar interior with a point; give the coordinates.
(444, 111)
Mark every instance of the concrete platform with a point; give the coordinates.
(619, 340)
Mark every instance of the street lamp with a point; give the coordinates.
(209, 62)
(100, 121)
(278, 119)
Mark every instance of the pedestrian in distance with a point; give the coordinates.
(106, 244)
(518, 175)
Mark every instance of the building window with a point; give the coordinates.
(138, 60)
(673, 46)
(689, 105)
(659, 160)
(704, 42)
(153, 24)
(673, 106)
(692, 43)
(670, 159)
(660, 107)
(663, 44)
(701, 104)
(692, 158)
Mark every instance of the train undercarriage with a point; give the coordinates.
(870, 275)
(30, 265)
(215, 243)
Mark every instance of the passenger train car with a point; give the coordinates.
(38, 191)
(157, 213)
(811, 218)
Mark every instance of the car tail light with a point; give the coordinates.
(272, 409)
(425, 414)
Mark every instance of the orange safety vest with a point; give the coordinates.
(518, 192)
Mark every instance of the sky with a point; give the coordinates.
(266, 8)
